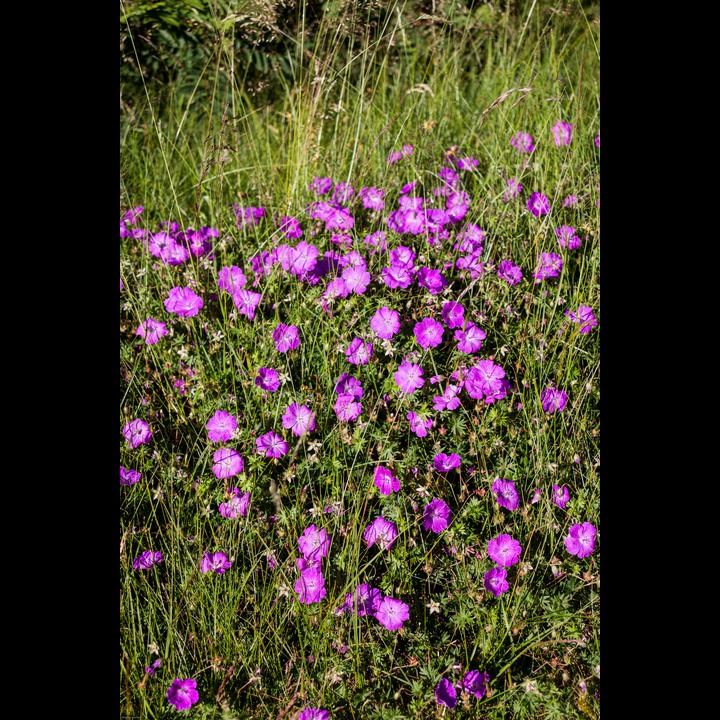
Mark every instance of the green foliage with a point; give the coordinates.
(217, 112)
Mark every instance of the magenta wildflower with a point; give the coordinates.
(247, 301)
(314, 714)
(218, 563)
(561, 496)
(419, 424)
(286, 337)
(183, 301)
(299, 419)
(385, 481)
(584, 316)
(310, 586)
(507, 494)
(347, 408)
(553, 400)
(470, 338)
(536, 496)
(397, 277)
(128, 476)
(436, 516)
(271, 445)
(356, 279)
(183, 694)
(321, 185)
(231, 278)
(151, 330)
(570, 201)
(449, 400)
(453, 314)
(486, 378)
(468, 163)
(549, 265)
(248, 216)
(391, 613)
(504, 550)
(538, 204)
(510, 273)
(475, 683)
(597, 141)
(367, 600)
(372, 198)
(566, 237)
(522, 142)
(380, 531)
(152, 667)
(221, 426)
(409, 377)
(267, 379)
(562, 133)
(445, 694)
(432, 280)
(514, 188)
(385, 323)
(428, 333)
(349, 385)
(495, 581)
(227, 463)
(237, 504)
(137, 432)
(445, 463)
(147, 559)
(290, 226)
(359, 352)
(313, 543)
(581, 539)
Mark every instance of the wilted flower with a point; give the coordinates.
(561, 496)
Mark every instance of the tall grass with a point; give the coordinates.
(452, 82)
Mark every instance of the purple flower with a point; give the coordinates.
(217, 562)
(538, 204)
(271, 445)
(561, 496)
(221, 426)
(549, 265)
(380, 531)
(419, 424)
(436, 516)
(299, 419)
(359, 352)
(183, 301)
(553, 400)
(514, 188)
(445, 463)
(267, 379)
(314, 544)
(321, 185)
(584, 316)
(522, 142)
(536, 496)
(367, 600)
(581, 539)
(237, 504)
(356, 279)
(385, 481)
(428, 333)
(449, 400)
(183, 693)
(468, 163)
(445, 694)
(248, 216)
(495, 582)
(310, 586)
(227, 463)
(152, 667)
(146, 560)
(486, 378)
(475, 683)
(286, 337)
(372, 198)
(231, 278)
(597, 141)
(504, 550)
(247, 302)
(570, 201)
(128, 477)
(470, 339)
(432, 280)
(314, 714)
(562, 133)
(510, 273)
(290, 226)
(453, 314)
(385, 323)
(409, 377)
(507, 494)
(397, 277)
(349, 385)
(391, 613)
(151, 330)
(347, 408)
(136, 432)
(567, 238)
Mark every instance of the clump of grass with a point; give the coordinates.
(447, 95)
